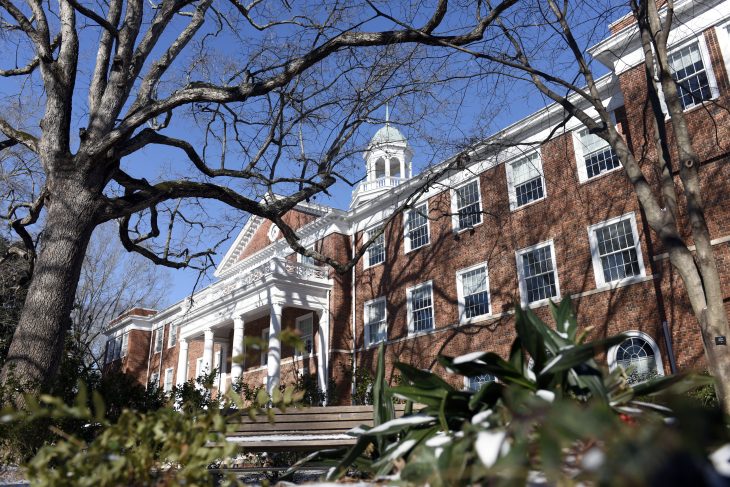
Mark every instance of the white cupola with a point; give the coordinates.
(387, 162)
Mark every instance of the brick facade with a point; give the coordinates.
(564, 216)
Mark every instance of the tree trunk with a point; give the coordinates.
(37, 346)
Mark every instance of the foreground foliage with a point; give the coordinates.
(552, 413)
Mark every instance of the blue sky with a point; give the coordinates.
(435, 128)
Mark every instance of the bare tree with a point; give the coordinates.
(673, 205)
(238, 90)
(111, 281)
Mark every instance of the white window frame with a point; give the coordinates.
(125, 345)
(155, 379)
(159, 338)
(297, 322)
(521, 274)
(706, 62)
(366, 261)
(409, 294)
(167, 385)
(455, 208)
(580, 156)
(265, 339)
(406, 228)
(611, 355)
(366, 320)
(273, 232)
(173, 334)
(198, 367)
(462, 299)
(596, 257)
(510, 179)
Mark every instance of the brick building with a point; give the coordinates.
(514, 227)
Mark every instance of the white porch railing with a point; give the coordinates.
(367, 186)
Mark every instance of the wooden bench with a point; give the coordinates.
(301, 429)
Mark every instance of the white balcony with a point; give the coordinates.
(367, 189)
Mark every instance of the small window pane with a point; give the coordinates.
(617, 251)
(475, 290)
(689, 72)
(468, 205)
(422, 308)
(418, 227)
(377, 329)
(376, 251)
(539, 274)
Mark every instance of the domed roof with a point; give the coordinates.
(387, 135)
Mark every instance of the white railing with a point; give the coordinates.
(367, 186)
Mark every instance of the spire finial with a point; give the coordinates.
(387, 113)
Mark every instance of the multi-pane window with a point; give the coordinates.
(159, 333)
(468, 205)
(538, 277)
(420, 308)
(417, 227)
(199, 367)
(173, 335)
(615, 249)
(154, 380)
(264, 342)
(638, 356)
(690, 73)
(598, 156)
(168, 380)
(475, 382)
(473, 292)
(304, 327)
(376, 251)
(527, 184)
(376, 328)
(109, 350)
(125, 344)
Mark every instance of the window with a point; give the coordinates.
(638, 355)
(306, 260)
(304, 327)
(168, 380)
(109, 350)
(475, 382)
(154, 380)
(595, 155)
(467, 206)
(473, 288)
(264, 346)
(117, 347)
(173, 335)
(125, 344)
(537, 273)
(376, 325)
(690, 73)
(273, 233)
(199, 367)
(417, 234)
(615, 250)
(525, 180)
(376, 252)
(159, 333)
(420, 308)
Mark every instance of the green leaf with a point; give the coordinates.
(422, 378)
(574, 355)
(671, 384)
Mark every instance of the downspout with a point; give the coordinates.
(353, 300)
(162, 351)
(149, 358)
(658, 293)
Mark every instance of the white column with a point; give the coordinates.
(323, 352)
(208, 351)
(223, 385)
(403, 168)
(237, 349)
(273, 363)
(182, 361)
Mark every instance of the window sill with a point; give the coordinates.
(408, 251)
(476, 319)
(610, 286)
(541, 303)
(526, 205)
(364, 267)
(704, 104)
(602, 175)
(458, 231)
(414, 334)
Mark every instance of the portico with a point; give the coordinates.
(257, 302)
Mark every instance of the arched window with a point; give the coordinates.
(380, 168)
(394, 167)
(638, 355)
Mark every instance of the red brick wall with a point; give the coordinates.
(260, 240)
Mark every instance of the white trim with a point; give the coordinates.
(366, 255)
(706, 63)
(406, 230)
(460, 294)
(367, 343)
(174, 326)
(510, 179)
(159, 339)
(167, 387)
(722, 31)
(273, 232)
(409, 293)
(198, 367)
(596, 258)
(521, 274)
(611, 355)
(455, 210)
(297, 321)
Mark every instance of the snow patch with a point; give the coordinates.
(469, 357)
(265, 438)
(720, 458)
(545, 395)
(488, 446)
(414, 420)
(481, 417)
